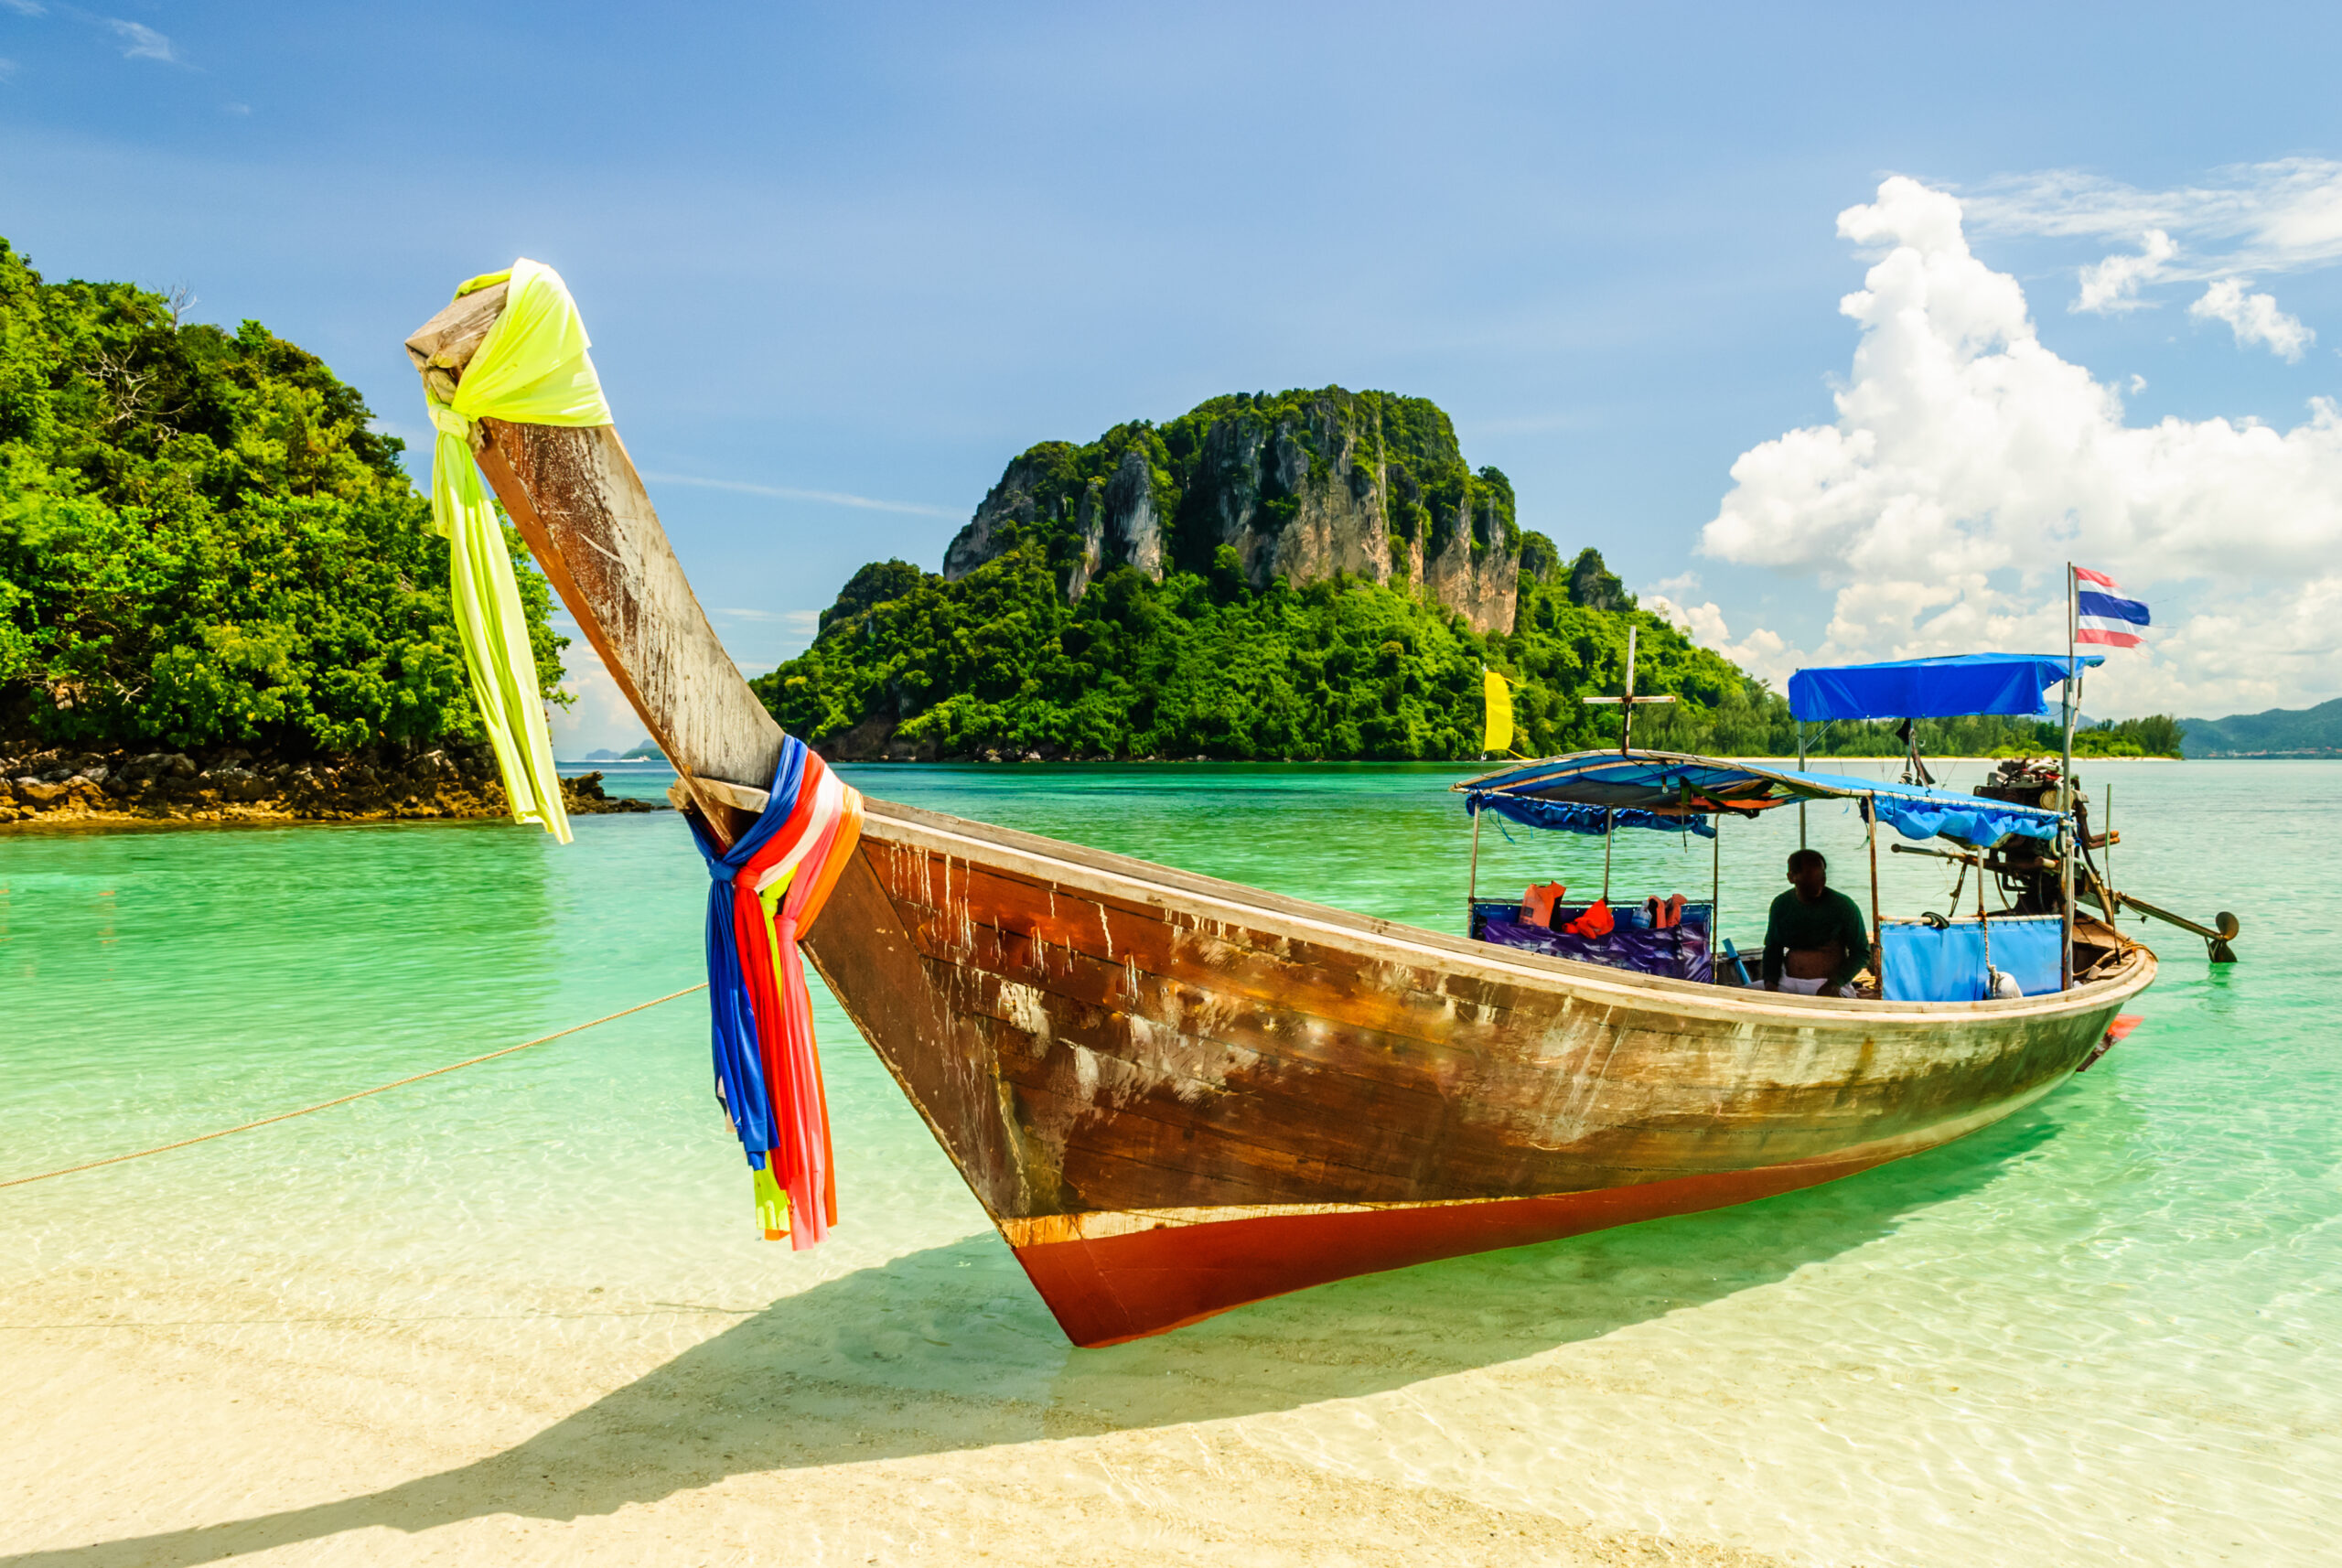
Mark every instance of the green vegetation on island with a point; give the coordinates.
(1303, 575)
(909, 664)
(205, 544)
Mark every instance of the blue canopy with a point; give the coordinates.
(1672, 792)
(1532, 812)
(1951, 687)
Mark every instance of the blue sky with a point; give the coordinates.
(841, 264)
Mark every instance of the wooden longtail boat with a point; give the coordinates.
(1175, 1095)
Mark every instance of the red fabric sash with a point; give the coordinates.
(803, 1161)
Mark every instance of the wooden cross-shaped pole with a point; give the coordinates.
(1628, 702)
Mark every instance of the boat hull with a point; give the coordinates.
(1176, 1096)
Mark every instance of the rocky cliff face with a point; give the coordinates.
(1107, 520)
(1300, 486)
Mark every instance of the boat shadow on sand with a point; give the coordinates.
(948, 1349)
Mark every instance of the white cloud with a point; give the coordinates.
(2277, 216)
(601, 719)
(2112, 284)
(1762, 653)
(141, 42)
(2255, 319)
(782, 492)
(1968, 462)
(26, 8)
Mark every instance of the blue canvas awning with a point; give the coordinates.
(1954, 687)
(1564, 816)
(1677, 793)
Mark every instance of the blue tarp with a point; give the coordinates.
(1531, 812)
(1954, 687)
(1938, 813)
(1927, 964)
(1570, 793)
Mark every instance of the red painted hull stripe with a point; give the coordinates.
(1149, 1282)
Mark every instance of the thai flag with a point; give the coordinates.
(2102, 614)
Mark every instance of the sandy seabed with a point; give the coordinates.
(911, 1412)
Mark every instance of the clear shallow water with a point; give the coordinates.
(2104, 1331)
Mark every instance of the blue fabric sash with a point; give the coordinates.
(739, 1067)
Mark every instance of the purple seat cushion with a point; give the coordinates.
(1680, 953)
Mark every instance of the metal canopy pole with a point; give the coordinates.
(1877, 944)
(1715, 896)
(2066, 836)
(1609, 834)
(1472, 883)
(1801, 768)
(2112, 918)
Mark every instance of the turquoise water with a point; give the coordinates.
(2104, 1331)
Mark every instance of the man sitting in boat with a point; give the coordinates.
(1815, 942)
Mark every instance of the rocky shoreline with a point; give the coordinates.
(68, 787)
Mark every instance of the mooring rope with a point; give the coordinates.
(344, 1100)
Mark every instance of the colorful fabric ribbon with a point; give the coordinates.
(766, 891)
(531, 369)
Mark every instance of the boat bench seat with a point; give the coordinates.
(1680, 952)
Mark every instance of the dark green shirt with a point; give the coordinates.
(1832, 920)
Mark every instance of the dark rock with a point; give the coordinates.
(1595, 585)
(866, 742)
(235, 783)
(583, 795)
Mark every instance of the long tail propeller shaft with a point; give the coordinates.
(2216, 937)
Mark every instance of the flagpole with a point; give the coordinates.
(2065, 782)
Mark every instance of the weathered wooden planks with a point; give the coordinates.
(1142, 1064)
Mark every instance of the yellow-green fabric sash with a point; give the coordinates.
(532, 369)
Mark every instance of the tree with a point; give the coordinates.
(203, 540)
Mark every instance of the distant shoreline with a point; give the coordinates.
(64, 788)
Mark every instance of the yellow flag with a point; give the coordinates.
(1499, 737)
